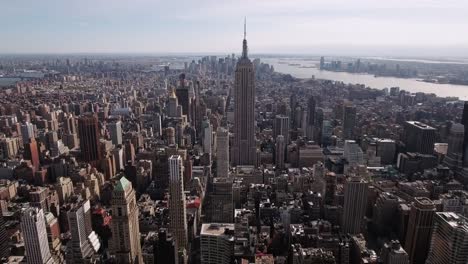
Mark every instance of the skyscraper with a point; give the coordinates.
(292, 107)
(4, 250)
(419, 137)
(280, 152)
(355, 203)
(207, 136)
(244, 151)
(349, 121)
(166, 249)
(35, 236)
(353, 153)
(88, 131)
(449, 243)
(173, 104)
(454, 158)
(418, 234)
(84, 242)
(393, 253)
(31, 152)
(69, 124)
(281, 127)
(182, 93)
(157, 125)
(217, 243)
(177, 210)
(221, 203)
(310, 117)
(464, 122)
(222, 152)
(125, 228)
(27, 131)
(115, 130)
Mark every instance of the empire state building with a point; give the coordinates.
(244, 150)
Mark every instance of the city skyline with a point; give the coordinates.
(233, 158)
(362, 27)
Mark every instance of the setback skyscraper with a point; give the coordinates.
(244, 150)
(183, 97)
(84, 242)
(281, 127)
(35, 236)
(177, 210)
(125, 228)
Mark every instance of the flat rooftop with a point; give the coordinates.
(420, 125)
(217, 229)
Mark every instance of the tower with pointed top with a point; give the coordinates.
(125, 227)
(244, 150)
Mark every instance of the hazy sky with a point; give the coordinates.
(347, 27)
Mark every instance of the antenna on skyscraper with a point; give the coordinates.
(245, 27)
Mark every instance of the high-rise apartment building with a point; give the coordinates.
(217, 243)
(449, 243)
(418, 233)
(88, 131)
(34, 232)
(125, 227)
(177, 209)
(222, 152)
(244, 150)
(355, 203)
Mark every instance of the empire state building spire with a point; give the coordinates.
(244, 43)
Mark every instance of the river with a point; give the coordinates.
(296, 67)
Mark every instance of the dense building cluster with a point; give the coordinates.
(224, 160)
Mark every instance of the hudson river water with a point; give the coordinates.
(296, 68)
